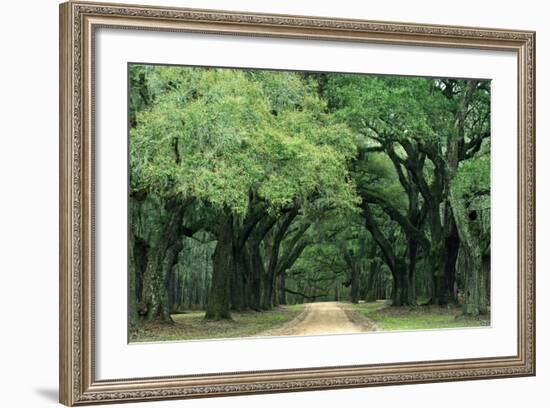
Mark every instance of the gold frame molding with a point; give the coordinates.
(78, 22)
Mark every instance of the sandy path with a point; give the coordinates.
(319, 318)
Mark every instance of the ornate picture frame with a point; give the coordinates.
(78, 24)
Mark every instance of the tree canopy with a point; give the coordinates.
(290, 187)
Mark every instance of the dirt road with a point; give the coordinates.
(324, 318)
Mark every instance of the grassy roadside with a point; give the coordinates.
(192, 325)
(418, 318)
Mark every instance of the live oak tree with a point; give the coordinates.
(469, 196)
(220, 140)
(426, 128)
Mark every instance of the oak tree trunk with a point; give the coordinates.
(223, 264)
(161, 258)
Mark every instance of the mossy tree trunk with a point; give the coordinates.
(239, 279)
(162, 256)
(223, 263)
(133, 317)
(273, 264)
(282, 288)
(355, 283)
(257, 272)
(402, 294)
(471, 260)
(354, 267)
(448, 233)
(373, 276)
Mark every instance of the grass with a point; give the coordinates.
(418, 318)
(192, 325)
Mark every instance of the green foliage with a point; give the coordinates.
(472, 185)
(214, 136)
(378, 175)
(473, 182)
(395, 107)
(286, 91)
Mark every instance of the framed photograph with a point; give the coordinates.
(255, 203)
